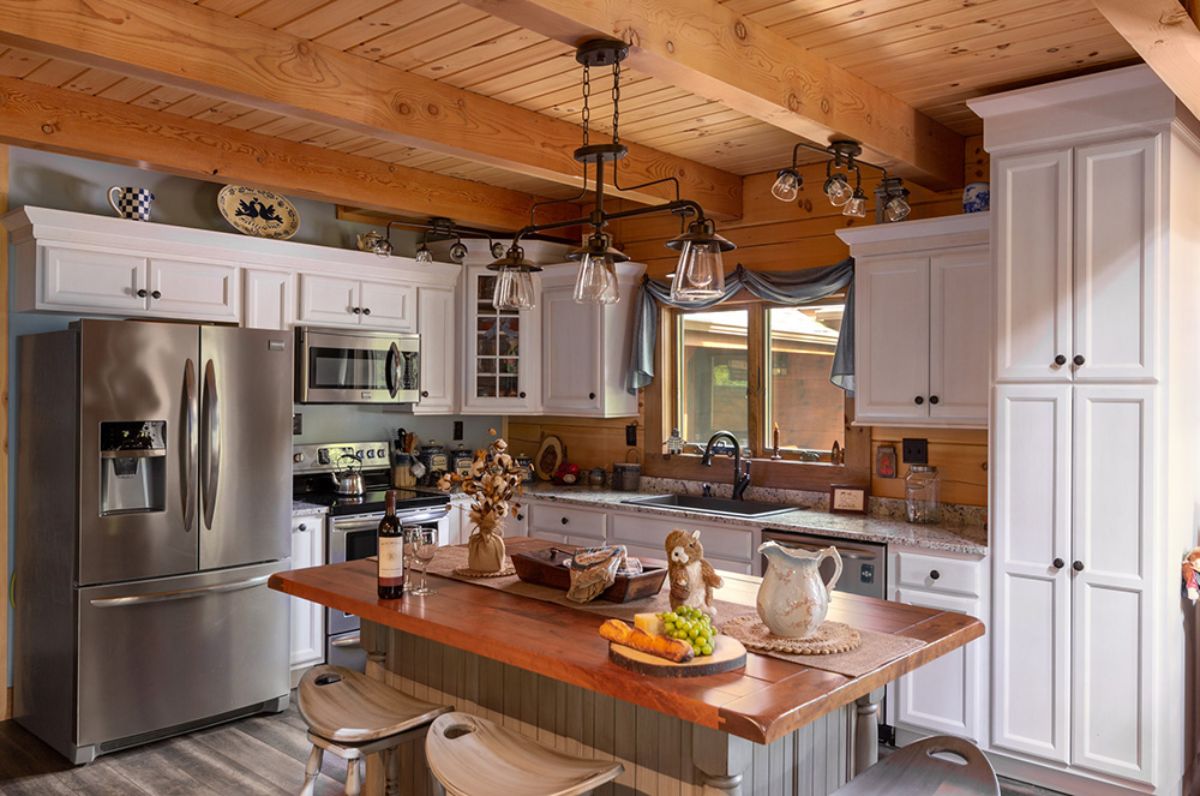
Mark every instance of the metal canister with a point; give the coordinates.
(462, 461)
(525, 463)
(627, 476)
(435, 459)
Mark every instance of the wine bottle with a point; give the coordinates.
(391, 553)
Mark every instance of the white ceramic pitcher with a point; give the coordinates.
(793, 599)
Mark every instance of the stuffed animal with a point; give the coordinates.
(692, 578)
(1190, 564)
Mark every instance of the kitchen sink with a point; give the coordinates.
(723, 507)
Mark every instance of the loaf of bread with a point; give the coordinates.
(672, 649)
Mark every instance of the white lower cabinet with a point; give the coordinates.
(726, 548)
(949, 694)
(307, 617)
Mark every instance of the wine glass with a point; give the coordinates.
(422, 544)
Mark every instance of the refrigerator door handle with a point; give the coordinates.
(190, 446)
(178, 594)
(393, 369)
(212, 452)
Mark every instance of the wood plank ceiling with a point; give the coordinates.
(931, 54)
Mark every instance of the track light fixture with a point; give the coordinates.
(699, 246)
(843, 161)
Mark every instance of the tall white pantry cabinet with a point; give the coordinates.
(1096, 349)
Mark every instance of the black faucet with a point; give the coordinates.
(741, 475)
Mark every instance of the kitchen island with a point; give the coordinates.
(774, 727)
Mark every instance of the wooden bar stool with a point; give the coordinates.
(353, 716)
(471, 756)
(922, 769)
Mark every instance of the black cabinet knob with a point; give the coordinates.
(367, 311)
(356, 310)
(424, 393)
(1060, 360)
(934, 574)
(933, 399)
(919, 400)
(565, 520)
(521, 394)
(1077, 566)
(1078, 360)
(591, 396)
(302, 527)
(155, 294)
(520, 517)
(1059, 563)
(142, 293)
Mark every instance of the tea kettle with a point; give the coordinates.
(348, 480)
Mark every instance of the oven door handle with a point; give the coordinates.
(370, 522)
(393, 369)
(349, 641)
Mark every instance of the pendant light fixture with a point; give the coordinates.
(699, 246)
(843, 161)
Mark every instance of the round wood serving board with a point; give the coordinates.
(728, 654)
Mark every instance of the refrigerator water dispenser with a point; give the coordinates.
(133, 466)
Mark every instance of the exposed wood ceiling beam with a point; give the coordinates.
(186, 45)
(1166, 36)
(40, 117)
(709, 50)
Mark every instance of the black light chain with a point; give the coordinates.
(587, 111)
(616, 101)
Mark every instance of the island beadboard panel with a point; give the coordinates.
(583, 723)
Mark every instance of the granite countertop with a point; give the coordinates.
(968, 540)
(302, 508)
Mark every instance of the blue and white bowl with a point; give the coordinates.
(976, 197)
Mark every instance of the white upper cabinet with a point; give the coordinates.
(268, 299)
(500, 351)
(1117, 207)
(81, 280)
(1033, 244)
(388, 305)
(437, 323)
(338, 301)
(187, 289)
(586, 347)
(922, 304)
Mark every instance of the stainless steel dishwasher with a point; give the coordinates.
(864, 564)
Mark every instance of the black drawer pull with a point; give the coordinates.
(142, 293)
(356, 310)
(565, 520)
(591, 396)
(366, 311)
(934, 574)
(155, 294)
(933, 399)
(918, 400)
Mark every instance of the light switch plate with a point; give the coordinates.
(297, 423)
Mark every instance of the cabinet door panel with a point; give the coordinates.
(204, 291)
(75, 279)
(307, 618)
(1031, 516)
(1117, 198)
(389, 306)
(437, 321)
(501, 364)
(572, 333)
(1031, 200)
(328, 299)
(268, 299)
(959, 337)
(892, 340)
(1112, 717)
(943, 696)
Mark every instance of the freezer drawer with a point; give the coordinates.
(169, 651)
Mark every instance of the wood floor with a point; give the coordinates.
(260, 755)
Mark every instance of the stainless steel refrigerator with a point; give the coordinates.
(153, 501)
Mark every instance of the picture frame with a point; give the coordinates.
(847, 499)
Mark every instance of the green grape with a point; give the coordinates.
(694, 631)
(706, 649)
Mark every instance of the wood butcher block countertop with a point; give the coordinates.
(767, 700)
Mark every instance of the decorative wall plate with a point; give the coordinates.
(549, 457)
(261, 214)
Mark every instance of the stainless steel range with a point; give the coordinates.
(353, 520)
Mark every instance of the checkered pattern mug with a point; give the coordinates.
(131, 203)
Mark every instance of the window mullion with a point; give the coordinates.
(756, 377)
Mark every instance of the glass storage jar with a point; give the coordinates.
(922, 494)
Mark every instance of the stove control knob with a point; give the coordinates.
(323, 456)
(381, 454)
(371, 454)
(298, 457)
(358, 455)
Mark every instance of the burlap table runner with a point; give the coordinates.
(876, 649)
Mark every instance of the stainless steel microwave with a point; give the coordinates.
(351, 366)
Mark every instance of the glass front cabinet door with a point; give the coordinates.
(501, 352)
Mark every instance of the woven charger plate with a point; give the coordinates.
(504, 572)
(830, 639)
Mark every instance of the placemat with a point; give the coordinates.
(876, 649)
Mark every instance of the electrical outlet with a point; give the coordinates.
(916, 450)
(631, 435)
(297, 423)
(458, 430)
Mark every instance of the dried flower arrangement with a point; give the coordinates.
(495, 483)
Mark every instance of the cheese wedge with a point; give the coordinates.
(649, 623)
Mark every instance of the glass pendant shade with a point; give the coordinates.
(596, 282)
(424, 255)
(857, 206)
(787, 186)
(526, 296)
(514, 290)
(700, 274)
(838, 190)
(897, 209)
